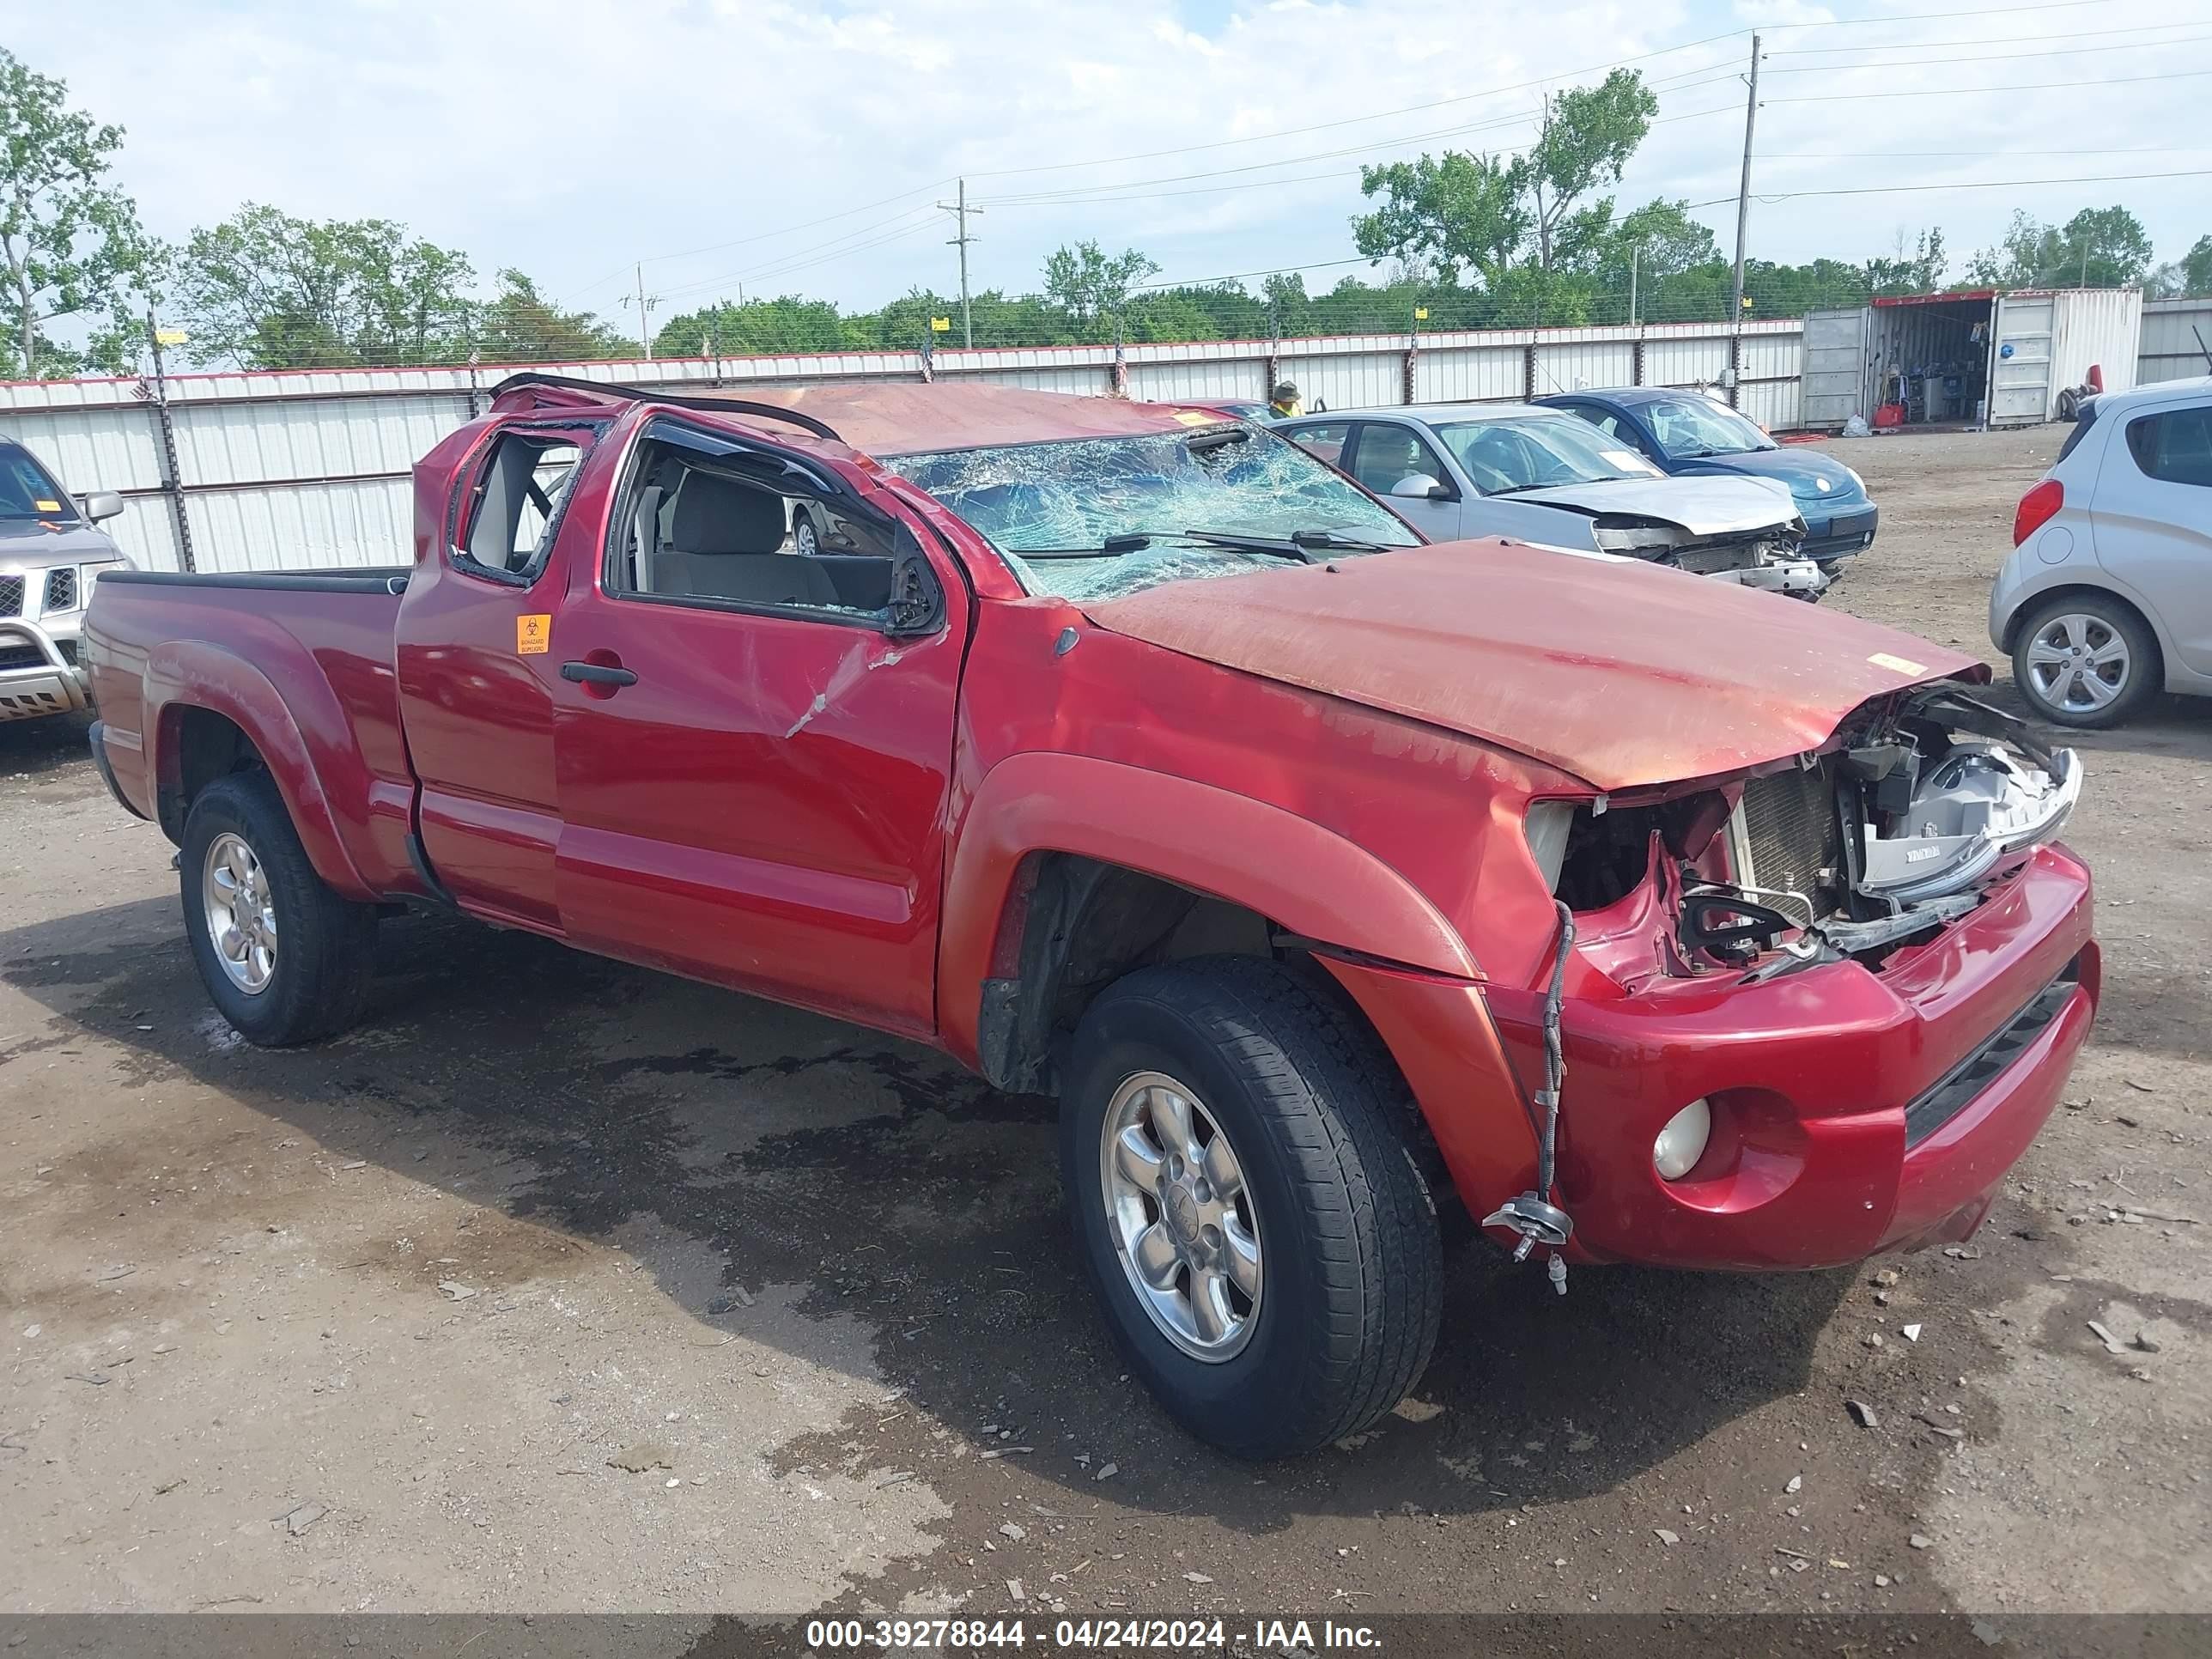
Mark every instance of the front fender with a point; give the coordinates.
(1289, 869)
(192, 674)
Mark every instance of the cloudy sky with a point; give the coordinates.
(790, 148)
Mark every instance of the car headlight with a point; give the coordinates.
(1682, 1142)
(1857, 482)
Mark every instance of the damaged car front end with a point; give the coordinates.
(1825, 1003)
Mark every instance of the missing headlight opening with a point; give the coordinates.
(1899, 824)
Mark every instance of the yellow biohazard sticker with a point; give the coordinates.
(47, 507)
(1196, 417)
(1896, 665)
(533, 636)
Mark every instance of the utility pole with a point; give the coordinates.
(960, 210)
(1742, 219)
(1635, 258)
(645, 306)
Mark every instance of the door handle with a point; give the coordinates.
(593, 673)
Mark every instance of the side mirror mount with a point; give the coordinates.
(101, 504)
(917, 606)
(1420, 487)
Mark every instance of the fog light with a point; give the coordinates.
(1682, 1142)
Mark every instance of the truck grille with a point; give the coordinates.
(22, 656)
(61, 588)
(11, 596)
(1791, 835)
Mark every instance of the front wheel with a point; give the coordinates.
(1247, 1204)
(284, 958)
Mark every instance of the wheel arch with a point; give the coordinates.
(1068, 871)
(210, 711)
(2043, 600)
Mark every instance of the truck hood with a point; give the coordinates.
(1622, 673)
(1702, 507)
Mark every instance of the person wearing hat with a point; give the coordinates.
(1285, 403)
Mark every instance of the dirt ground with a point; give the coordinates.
(377, 1324)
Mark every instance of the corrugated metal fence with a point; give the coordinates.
(2170, 351)
(309, 468)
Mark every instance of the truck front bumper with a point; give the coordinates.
(1853, 1112)
(38, 674)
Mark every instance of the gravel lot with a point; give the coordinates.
(377, 1324)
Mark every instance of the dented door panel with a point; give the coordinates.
(763, 806)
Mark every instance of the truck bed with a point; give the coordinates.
(223, 644)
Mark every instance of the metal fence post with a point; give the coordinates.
(173, 485)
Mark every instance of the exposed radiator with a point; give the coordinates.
(1792, 840)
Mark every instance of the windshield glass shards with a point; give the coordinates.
(1097, 518)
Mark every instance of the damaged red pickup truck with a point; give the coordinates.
(1333, 884)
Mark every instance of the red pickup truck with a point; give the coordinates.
(1337, 885)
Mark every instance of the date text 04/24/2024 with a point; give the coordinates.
(828, 1635)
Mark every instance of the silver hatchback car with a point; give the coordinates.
(2107, 595)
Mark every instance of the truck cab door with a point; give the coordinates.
(754, 743)
(477, 675)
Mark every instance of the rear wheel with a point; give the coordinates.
(285, 959)
(2086, 660)
(1248, 1204)
(805, 536)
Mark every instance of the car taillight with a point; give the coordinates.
(2037, 508)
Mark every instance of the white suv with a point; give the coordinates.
(2108, 593)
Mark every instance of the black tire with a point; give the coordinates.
(2145, 674)
(1351, 1295)
(803, 521)
(326, 945)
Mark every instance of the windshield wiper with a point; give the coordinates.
(1515, 489)
(1112, 548)
(1278, 547)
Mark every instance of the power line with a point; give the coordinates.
(1771, 198)
(2012, 86)
(1986, 58)
(2010, 41)
(1101, 193)
(762, 236)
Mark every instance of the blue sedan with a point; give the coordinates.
(1687, 433)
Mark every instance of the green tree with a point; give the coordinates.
(2098, 248)
(1920, 272)
(266, 290)
(1456, 212)
(1091, 288)
(2196, 268)
(1588, 135)
(520, 325)
(758, 328)
(70, 239)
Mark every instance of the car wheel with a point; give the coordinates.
(1247, 1203)
(806, 539)
(2086, 659)
(285, 959)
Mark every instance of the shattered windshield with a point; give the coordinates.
(1095, 518)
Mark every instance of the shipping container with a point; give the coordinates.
(1973, 357)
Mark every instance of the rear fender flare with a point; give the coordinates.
(191, 674)
(1290, 870)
